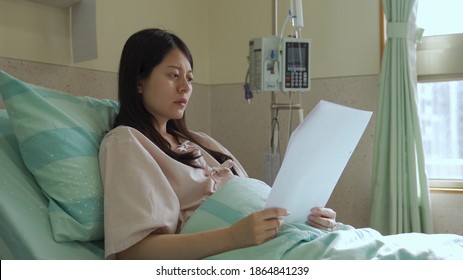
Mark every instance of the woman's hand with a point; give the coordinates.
(322, 218)
(254, 229)
(258, 227)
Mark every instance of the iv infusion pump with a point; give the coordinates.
(279, 64)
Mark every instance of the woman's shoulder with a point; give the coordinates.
(200, 134)
(208, 141)
(122, 133)
(203, 138)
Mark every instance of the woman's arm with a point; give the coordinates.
(255, 229)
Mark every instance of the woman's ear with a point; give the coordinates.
(140, 86)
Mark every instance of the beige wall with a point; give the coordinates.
(34, 32)
(345, 36)
(344, 33)
(118, 19)
(41, 33)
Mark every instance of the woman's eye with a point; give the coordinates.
(177, 75)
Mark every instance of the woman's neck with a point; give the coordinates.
(170, 138)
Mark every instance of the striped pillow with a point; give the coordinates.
(235, 200)
(59, 136)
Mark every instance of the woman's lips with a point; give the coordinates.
(181, 102)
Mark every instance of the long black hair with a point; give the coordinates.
(142, 52)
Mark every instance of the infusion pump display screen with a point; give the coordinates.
(296, 65)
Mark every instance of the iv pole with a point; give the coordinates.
(274, 106)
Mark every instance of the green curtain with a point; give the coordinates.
(400, 192)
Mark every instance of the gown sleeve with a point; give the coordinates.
(138, 198)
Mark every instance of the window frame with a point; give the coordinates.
(445, 185)
(439, 58)
(435, 49)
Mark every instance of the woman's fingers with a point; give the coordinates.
(323, 218)
(324, 212)
(272, 213)
(320, 222)
(270, 219)
(261, 226)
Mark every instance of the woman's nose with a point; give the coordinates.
(185, 85)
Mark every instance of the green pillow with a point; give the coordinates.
(235, 200)
(23, 207)
(59, 137)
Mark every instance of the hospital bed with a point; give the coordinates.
(51, 194)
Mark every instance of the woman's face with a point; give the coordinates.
(168, 88)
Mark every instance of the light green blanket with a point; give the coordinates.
(242, 196)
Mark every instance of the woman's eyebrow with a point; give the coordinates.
(179, 68)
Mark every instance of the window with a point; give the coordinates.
(440, 107)
(441, 17)
(440, 90)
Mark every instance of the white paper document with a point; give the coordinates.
(317, 153)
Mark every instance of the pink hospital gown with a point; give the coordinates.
(146, 190)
